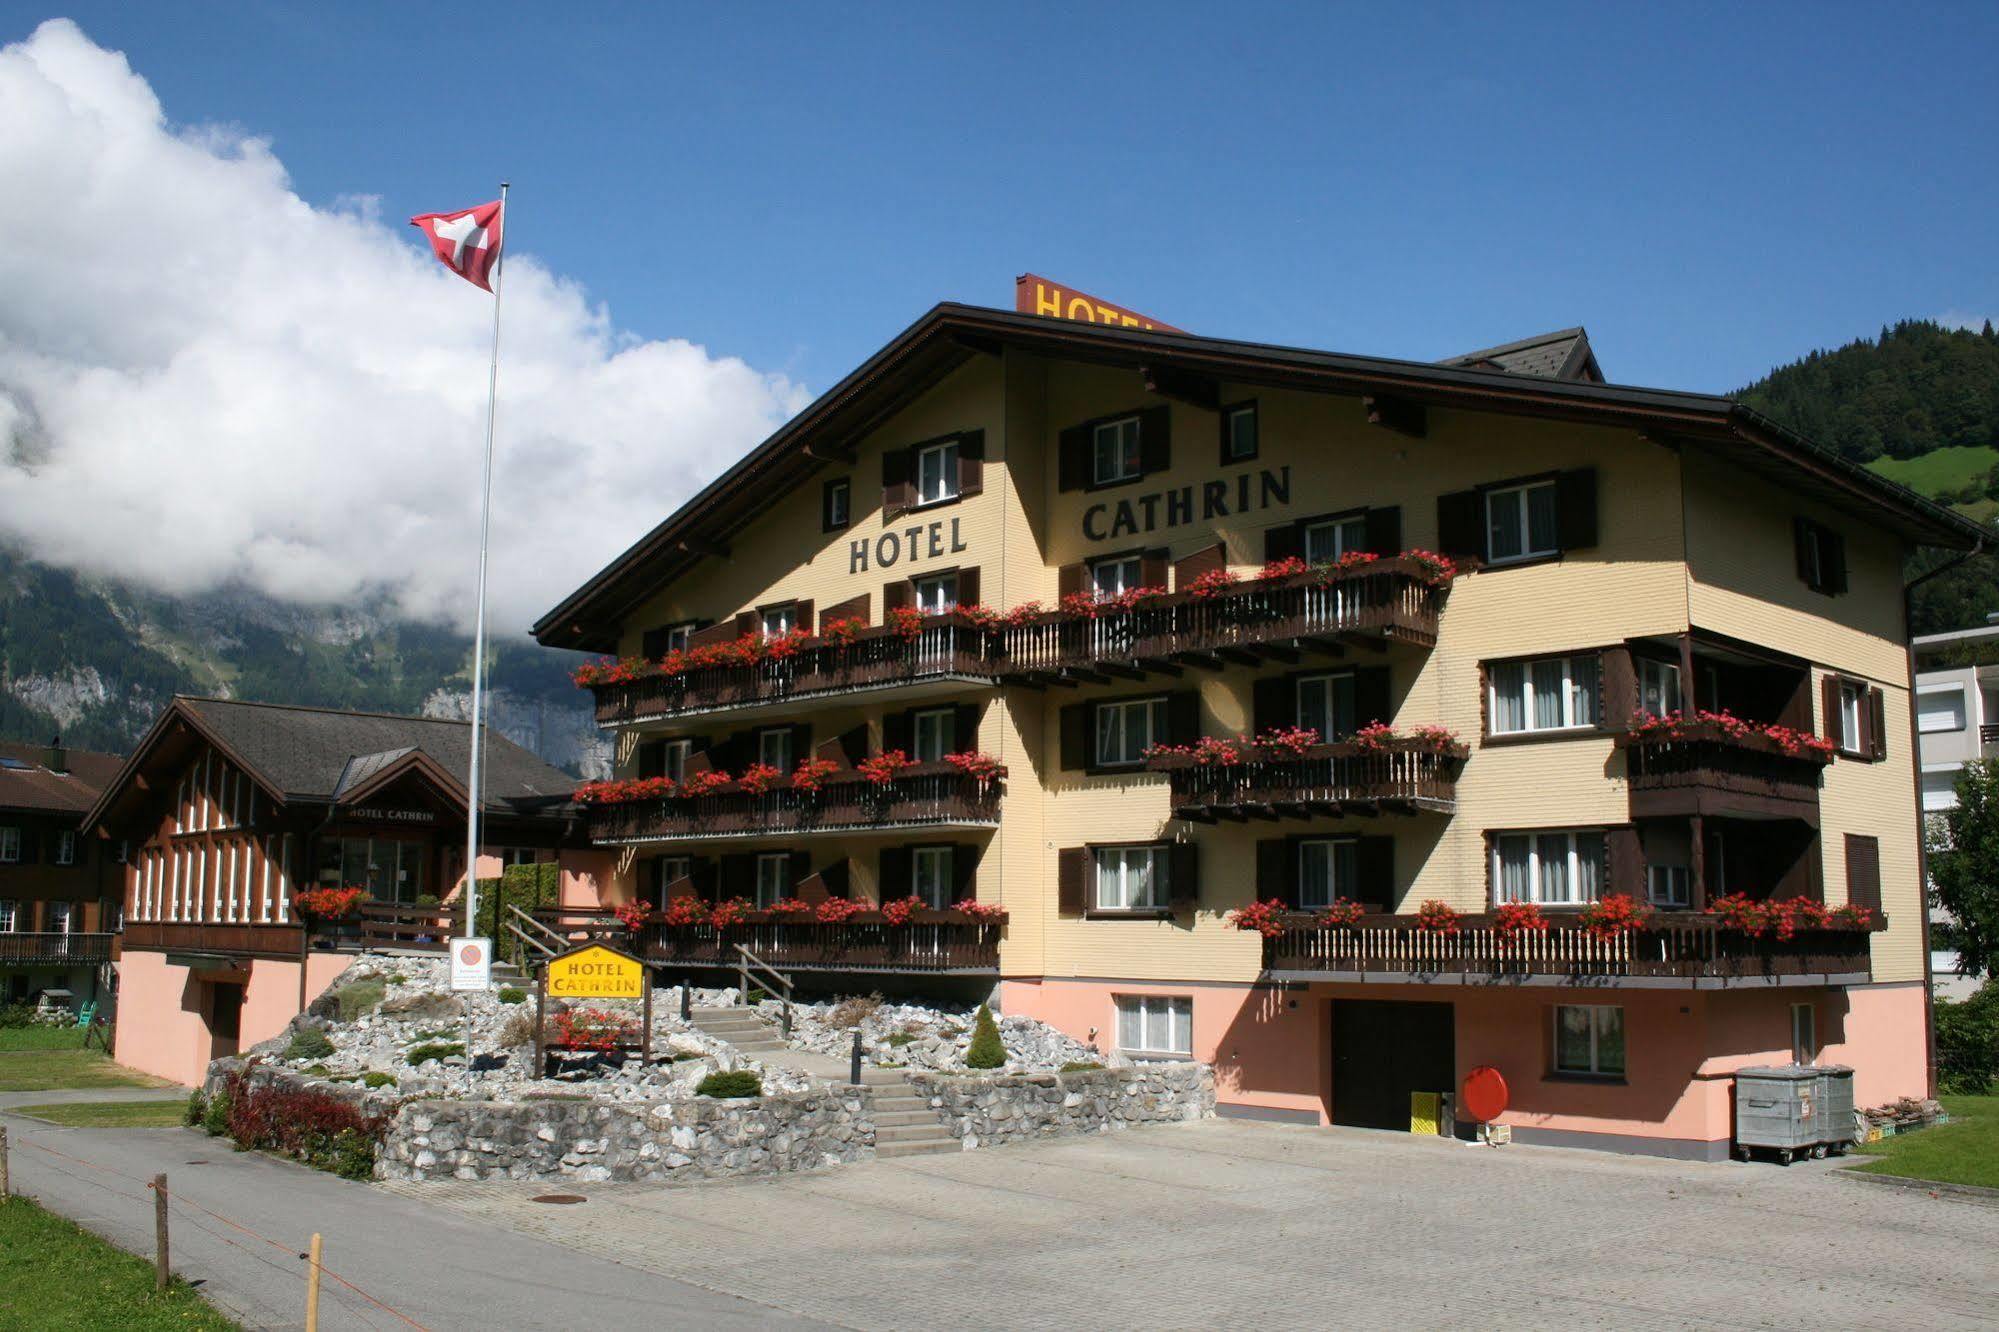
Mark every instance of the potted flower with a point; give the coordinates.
(1344, 913)
(1212, 582)
(907, 621)
(1084, 604)
(734, 911)
(899, 911)
(759, 778)
(1265, 917)
(1285, 743)
(977, 763)
(1374, 738)
(883, 768)
(980, 617)
(1434, 917)
(791, 906)
(684, 911)
(811, 774)
(1025, 613)
(634, 916)
(1288, 567)
(983, 913)
(624, 792)
(1742, 914)
(842, 632)
(1511, 920)
(1436, 570)
(1614, 915)
(329, 904)
(1851, 917)
(838, 910)
(1437, 739)
(703, 783)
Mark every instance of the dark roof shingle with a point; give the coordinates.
(31, 786)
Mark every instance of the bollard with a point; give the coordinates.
(854, 1067)
(161, 1268)
(786, 1026)
(3, 1163)
(312, 1286)
(686, 1001)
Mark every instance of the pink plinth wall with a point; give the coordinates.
(163, 1010)
(1272, 1048)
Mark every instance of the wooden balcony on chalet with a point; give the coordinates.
(376, 925)
(1700, 768)
(1398, 777)
(932, 942)
(924, 795)
(1679, 951)
(54, 949)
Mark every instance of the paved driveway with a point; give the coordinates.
(1230, 1223)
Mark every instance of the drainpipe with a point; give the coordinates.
(1922, 848)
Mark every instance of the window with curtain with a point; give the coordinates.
(1658, 687)
(1154, 1024)
(1327, 541)
(1327, 869)
(1546, 694)
(1130, 878)
(1522, 522)
(1326, 705)
(937, 473)
(930, 874)
(1552, 868)
(773, 877)
(936, 595)
(1113, 578)
(934, 734)
(1115, 452)
(1126, 729)
(1589, 1039)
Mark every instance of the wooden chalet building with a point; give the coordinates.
(59, 891)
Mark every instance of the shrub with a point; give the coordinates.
(320, 1129)
(851, 1013)
(519, 1031)
(197, 1109)
(1968, 1042)
(423, 1054)
(986, 1051)
(900, 1039)
(513, 994)
(309, 1043)
(352, 1001)
(523, 886)
(215, 1115)
(1081, 1066)
(373, 1080)
(16, 1015)
(739, 1083)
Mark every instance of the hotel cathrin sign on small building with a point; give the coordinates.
(1036, 295)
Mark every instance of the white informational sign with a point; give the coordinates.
(471, 964)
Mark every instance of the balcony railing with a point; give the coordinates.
(1391, 599)
(240, 940)
(932, 941)
(924, 794)
(1404, 776)
(54, 949)
(1675, 772)
(1692, 950)
(945, 647)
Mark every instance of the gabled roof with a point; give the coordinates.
(27, 783)
(1564, 354)
(950, 334)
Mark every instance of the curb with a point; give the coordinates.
(1974, 1193)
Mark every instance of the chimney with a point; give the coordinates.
(58, 756)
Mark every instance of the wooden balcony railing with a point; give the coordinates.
(924, 794)
(1673, 774)
(1387, 599)
(1690, 949)
(945, 646)
(932, 941)
(1404, 777)
(235, 940)
(54, 949)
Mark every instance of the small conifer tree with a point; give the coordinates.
(986, 1051)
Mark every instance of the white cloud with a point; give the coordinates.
(1959, 319)
(205, 379)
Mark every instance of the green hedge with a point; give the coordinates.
(525, 886)
(1968, 1043)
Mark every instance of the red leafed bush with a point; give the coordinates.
(899, 910)
(1265, 917)
(837, 910)
(1513, 919)
(685, 911)
(759, 778)
(595, 1030)
(329, 903)
(624, 792)
(306, 1124)
(1435, 917)
(634, 916)
(977, 763)
(986, 913)
(883, 768)
(811, 774)
(1343, 912)
(1615, 914)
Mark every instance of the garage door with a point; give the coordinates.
(1382, 1051)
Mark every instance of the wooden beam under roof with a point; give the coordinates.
(1196, 390)
(1398, 414)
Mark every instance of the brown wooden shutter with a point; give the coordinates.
(1277, 870)
(847, 748)
(1863, 871)
(801, 742)
(1801, 550)
(746, 623)
(1626, 870)
(1797, 711)
(1072, 459)
(1835, 729)
(1370, 696)
(899, 731)
(1274, 704)
(739, 876)
(895, 596)
(1283, 542)
(968, 586)
(972, 462)
(1072, 876)
(1575, 500)
(1155, 442)
(723, 632)
(1374, 867)
(652, 758)
(652, 643)
(1461, 525)
(811, 889)
(897, 492)
(1384, 529)
(965, 727)
(801, 870)
(1076, 720)
(1183, 716)
(964, 870)
(894, 870)
(1152, 568)
(801, 614)
(1070, 578)
(1619, 682)
(838, 878)
(1832, 560)
(1877, 727)
(853, 608)
(705, 875)
(664, 888)
(1205, 560)
(1183, 873)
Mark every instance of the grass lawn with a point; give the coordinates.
(53, 1070)
(1939, 470)
(1964, 1151)
(39, 1037)
(55, 1274)
(109, 1114)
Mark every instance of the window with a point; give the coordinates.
(1589, 1039)
(1239, 433)
(1326, 705)
(1522, 522)
(10, 844)
(776, 621)
(774, 747)
(1114, 577)
(1327, 870)
(930, 875)
(1327, 541)
(1658, 687)
(10, 916)
(1114, 451)
(836, 505)
(1126, 729)
(1553, 868)
(1552, 694)
(1669, 885)
(669, 871)
(1804, 1034)
(937, 594)
(1852, 707)
(934, 731)
(1940, 710)
(59, 918)
(773, 877)
(1155, 1024)
(656, 643)
(937, 473)
(673, 758)
(1821, 558)
(1130, 878)
(66, 847)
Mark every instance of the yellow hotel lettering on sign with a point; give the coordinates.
(596, 972)
(1034, 294)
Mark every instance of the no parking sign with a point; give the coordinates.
(471, 964)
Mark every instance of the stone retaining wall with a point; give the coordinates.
(984, 1111)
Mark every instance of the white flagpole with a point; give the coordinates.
(475, 788)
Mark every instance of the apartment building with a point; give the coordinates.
(1957, 720)
(983, 627)
(58, 892)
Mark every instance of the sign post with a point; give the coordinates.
(593, 971)
(471, 969)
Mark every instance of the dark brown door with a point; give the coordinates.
(225, 1017)
(1382, 1051)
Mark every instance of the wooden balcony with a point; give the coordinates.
(933, 942)
(377, 925)
(1387, 601)
(54, 949)
(228, 940)
(924, 795)
(1404, 777)
(1703, 770)
(947, 649)
(1679, 952)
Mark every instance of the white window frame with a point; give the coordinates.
(1677, 882)
(839, 504)
(776, 621)
(936, 468)
(1148, 1017)
(1571, 709)
(673, 758)
(1570, 865)
(1347, 535)
(1127, 572)
(1804, 1033)
(66, 847)
(1245, 411)
(1153, 712)
(1852, 712)
(1128, 878)
(1342, 870)
(1660, 680)
(10, 915)
(774, 748)
(1127, 455)
(10, 844)
(1953, 697)
(1326, 683)
(1601, 1017)
(935, 593)
(941, 725)
(773, 877)
(665, 875)
(939, 864)
(677, 635)
(60, 917)
(1520, 497)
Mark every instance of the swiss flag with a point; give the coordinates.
(467, 242)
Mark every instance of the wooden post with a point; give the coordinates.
(312, 1286)
(161, 1268)
(645, 1027)
(1697, 869)
(540, 1021)
(3, 1163)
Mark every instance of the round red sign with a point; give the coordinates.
(1484, 1098)
(469, 955)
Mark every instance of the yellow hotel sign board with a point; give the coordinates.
(1034, 294)
(596, 972)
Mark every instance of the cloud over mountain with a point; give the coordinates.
(205, 379)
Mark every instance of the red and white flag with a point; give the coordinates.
(467, 242)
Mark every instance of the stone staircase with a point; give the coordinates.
(740, 1027)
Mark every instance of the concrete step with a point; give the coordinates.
(882, 1077)
(903, 1118)
(748, 1031)
(738, 1010)
(931, 1132)
(890, 1150)
(900, 1105)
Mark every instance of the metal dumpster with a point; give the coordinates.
(1840, 1126)
(1784, 1110)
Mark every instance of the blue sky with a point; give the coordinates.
(1709, 190)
